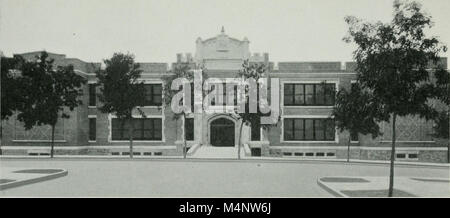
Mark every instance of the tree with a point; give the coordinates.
(10, 92)
(355, 111)
(47, 93)
(121, 92)
(253, 71)
(442, 123)
(392, 61)
(184, 71)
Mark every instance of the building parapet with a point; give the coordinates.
(153, 67)
(442, 62)
(309, 66)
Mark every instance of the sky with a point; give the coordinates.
(155, 30)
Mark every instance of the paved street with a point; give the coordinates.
(197, 178)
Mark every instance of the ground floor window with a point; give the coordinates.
(354, 137)
(145, 129)
(189, 129)
(43, 132)
(317, 129)
(92, 129)
(256, 130)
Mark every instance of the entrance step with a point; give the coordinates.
(206, 151)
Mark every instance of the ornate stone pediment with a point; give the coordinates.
(222, 47)
(230, 52)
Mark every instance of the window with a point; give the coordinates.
(413, 156)
(192, 97)
(92, 95)
(256, 130)
(189, 129)
(225, 95)
(92, 129)
(309, 94)
(144, 129)
(153, 95)
(354, 137)
(299, 129)
(401, 156)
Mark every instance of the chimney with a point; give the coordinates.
(179, 56)
(189, 57)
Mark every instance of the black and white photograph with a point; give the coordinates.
(225, 99)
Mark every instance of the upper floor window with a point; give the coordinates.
(92, 95)
(153, 95)
(309, 94)
(225, 95)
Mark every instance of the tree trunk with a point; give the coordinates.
(184, 138)
(348, 148)
(130, 130)
(391, 172)
(53, 141)
(240, 137)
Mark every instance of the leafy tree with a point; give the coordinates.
(252, 71)
(392, 61)
(10, 91)
(442, 125)
(121, 92)
(47, 93)
(182, 70)
(355, 111)
(441, 129)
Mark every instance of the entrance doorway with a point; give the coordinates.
(222, 133)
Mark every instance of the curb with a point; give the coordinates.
(19, 183)
(330, 190)
(246, 159)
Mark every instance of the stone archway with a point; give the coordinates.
(222, 131)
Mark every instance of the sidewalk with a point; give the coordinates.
(378, 186)
(15, 177)
(243, 158)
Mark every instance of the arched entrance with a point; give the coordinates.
(222, 133)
